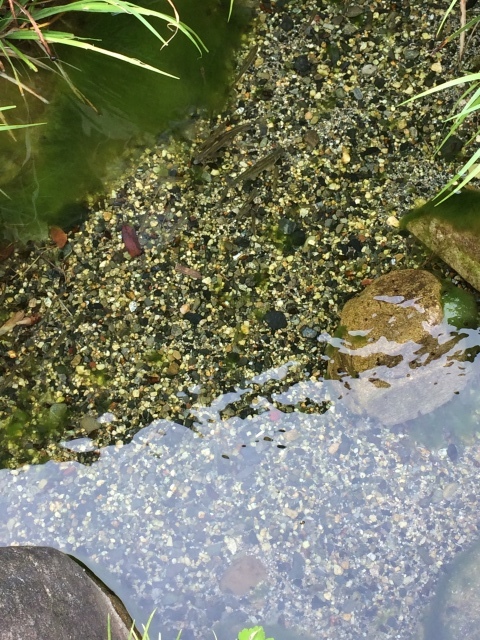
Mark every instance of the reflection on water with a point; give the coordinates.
(326, 525)
(49, 171)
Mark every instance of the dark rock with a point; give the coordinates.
(451, 148)
(193, 318)
(302, 65)
(286, 23)
(275, 320)
(452, 452)
(45, 594)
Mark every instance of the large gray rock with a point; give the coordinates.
(45, 595)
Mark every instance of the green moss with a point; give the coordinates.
(461, 210)
(459, 307)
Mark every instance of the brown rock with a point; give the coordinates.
(397, 360)
(243, 574)
(397, 308)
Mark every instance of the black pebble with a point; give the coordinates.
(302, 65)
(286, 23)
(193, 318)
(452, 452)
(275, 320)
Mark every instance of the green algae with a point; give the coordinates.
(461, 210)
(27, 431)
(459, 307)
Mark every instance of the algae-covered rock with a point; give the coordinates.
(451, 229)
(396, 357)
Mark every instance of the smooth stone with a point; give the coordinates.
(45, 594)
(243, 574)
(455, 609)
(394, 358)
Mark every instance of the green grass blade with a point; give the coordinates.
(230, 9)
(473, 77)
(60, 37)
(10, 127)
(19, 54)
(446, 14)
(120, 6)
(470, 175)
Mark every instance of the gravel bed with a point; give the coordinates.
(348, 524)
(247, 256)
(247, 259)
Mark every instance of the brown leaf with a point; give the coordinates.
(130, 240)
(58, 236)
(28, 321)
(6, 251)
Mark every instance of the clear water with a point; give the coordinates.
(47, 174)
(318, 525)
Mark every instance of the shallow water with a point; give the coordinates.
(48, 173)
(344, 523)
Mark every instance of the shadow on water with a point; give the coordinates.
(49, 171)
(326, 524)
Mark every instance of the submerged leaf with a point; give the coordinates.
(18, 318)
(130, 240)
(59, 236)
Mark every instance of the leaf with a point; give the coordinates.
(130, 240)
(6, 251)
(18, 318)
(59, 236)
(255, 633)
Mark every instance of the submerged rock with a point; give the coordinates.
(394, 353)
(243, 574)
(46, 594)
(451, 229)
(455, 610)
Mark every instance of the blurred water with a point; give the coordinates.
(317, 525)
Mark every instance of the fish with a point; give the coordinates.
(218, 139)
(261, 165)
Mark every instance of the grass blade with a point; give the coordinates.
(61, 37)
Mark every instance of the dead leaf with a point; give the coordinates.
(59, 236)
(6, 251)
(130, 240)
(18, 318)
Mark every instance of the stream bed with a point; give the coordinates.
(317, 525)
(252, 494)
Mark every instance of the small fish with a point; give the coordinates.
(264, 163)
(187, 271)
(218, 139)
(252, 54)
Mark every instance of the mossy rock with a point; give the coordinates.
(451, 229)
(398, 357)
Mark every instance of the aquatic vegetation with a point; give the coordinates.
(254, 633)
(22, 27)
(11, 127)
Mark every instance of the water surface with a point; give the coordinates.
(324, 524)
(48, 173)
